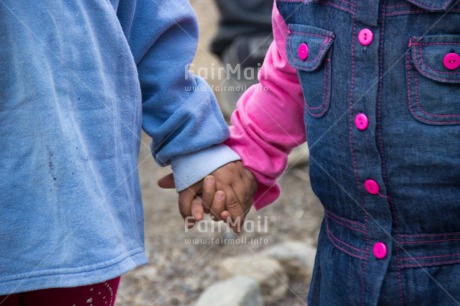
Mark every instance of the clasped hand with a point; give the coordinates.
(226, 194)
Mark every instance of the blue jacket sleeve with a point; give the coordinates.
(180, 111)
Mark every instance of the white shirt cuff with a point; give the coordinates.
(193, 167)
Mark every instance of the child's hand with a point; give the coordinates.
(231, 189)
(225, 193)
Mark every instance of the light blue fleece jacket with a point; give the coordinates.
(78, 79)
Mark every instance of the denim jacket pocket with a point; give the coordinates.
(308, 50)
(432, 6)
(433, 79)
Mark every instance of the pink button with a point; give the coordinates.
(372, 187)
(365, 37)
(302, 51)
(361, 122)
(452, 61)
(380, 250)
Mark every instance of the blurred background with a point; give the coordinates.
(270, 264)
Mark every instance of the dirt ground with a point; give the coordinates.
(180, 269)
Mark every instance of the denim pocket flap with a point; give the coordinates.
(433, 79)
(307, 46)
(432, 6)
(437, 57)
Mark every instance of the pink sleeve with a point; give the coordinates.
(268, 122)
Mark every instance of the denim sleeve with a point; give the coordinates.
(179, 110)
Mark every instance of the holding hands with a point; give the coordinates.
(226, 194)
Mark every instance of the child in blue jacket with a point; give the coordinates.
(79, 79)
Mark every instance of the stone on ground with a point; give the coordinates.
(237, 291)
(267, 272)
(297, 258)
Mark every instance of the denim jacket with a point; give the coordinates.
(380, 102)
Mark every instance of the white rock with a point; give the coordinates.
(238, 291)
(267, 272)
(297, 258)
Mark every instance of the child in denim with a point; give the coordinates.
(374, 86)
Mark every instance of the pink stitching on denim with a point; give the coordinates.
(334, 239)
(437, 43)
(326, 98)
(326, 89)
(345, 251)
(432, 69)
(415, 11)
(408, 9)
(351, 109)
(409, 84)
(345, 220)
(303, 1)
(384, 196)
(311, 34)
(413, 41)
(291, 1)
(379, 99)
(339, 7)
(347, 226)
(364, 265)
(382, 152)
(398, 5)
(423, 5)
(417, 100)
(430, 264)
(429, 235)
(409, 98)
(405, 13)
(296, 62)
(431, 257)
(349, 3)
(428, 241)
(343, 224)
(355, 171)
(343, 242)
